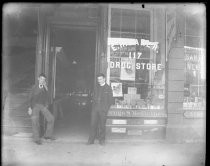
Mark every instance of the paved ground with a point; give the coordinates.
(70, 149)
(21, 151)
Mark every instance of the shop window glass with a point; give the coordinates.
(195, 80)
(142, 17)
(135, 70)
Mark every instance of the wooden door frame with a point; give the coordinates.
(70, 27)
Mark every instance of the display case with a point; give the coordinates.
(136, 74)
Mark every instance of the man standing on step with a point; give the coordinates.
(102, 100)
(39, 101)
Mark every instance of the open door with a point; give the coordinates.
(73, 72)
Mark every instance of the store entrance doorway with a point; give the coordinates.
(75, 50)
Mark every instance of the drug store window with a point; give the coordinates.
(135, 70)
(195, 59)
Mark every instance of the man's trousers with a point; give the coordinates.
(35, 121)
(98, 121)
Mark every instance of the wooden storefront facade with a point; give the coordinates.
(158, 51)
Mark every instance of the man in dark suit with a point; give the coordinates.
(102, 100)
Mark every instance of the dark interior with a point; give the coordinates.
(75, 69)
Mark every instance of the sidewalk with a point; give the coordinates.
(21, 151)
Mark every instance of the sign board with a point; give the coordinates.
(118, 130)
(119, 121)
(150, 122)
(137, 113)
(194, 114)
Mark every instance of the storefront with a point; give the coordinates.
(139, 49)
(136, 72)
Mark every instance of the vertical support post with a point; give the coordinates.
(38, 65)
(102, 38)
(108, 47)
(166, 65)
(47, 49)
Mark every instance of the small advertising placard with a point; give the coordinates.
(118, 130)
(119, 121)
(150, 122)
(117, 89)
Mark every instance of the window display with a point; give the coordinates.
(195, 58)
(135, 64)
(194, 87)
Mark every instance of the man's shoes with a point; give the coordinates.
(50, 138)
(102, 143)
(38, 142)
